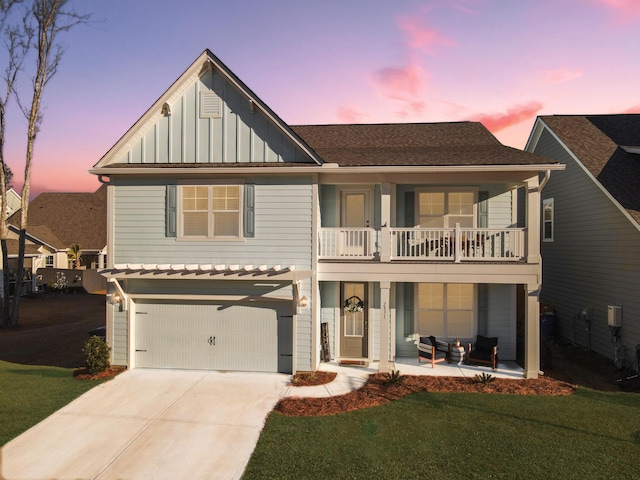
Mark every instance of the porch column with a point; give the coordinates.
(533, 220)
(385, 222)
(532, 332)
(385, 326)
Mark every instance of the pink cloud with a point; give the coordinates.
(561, 75)
(347, 114)
(624, 10)
(634, 109)
(500, 121)
(419, 36)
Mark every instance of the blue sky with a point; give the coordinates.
(337, 61)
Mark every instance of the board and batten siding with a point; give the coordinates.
(282, 229)
(501, 319)
(593, 261)
(329, 306)
(240, 134)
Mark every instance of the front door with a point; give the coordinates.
(354, 331)
(354, 217)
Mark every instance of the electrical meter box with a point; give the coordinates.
(614, 316)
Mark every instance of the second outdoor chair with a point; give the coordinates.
(485, 351)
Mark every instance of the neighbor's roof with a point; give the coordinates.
(62, 219)
(412, 144)
(597, 141)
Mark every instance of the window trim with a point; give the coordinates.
(551, 203)
(446, 309)
(210, 212)
(471, 189)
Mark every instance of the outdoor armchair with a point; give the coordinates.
(485, 351)
(432, 350)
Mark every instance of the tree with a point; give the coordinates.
(43, 21)
(16, 41)
(74, 252)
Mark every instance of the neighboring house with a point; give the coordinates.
(14, 201)
(591, 230)
(237, 242)
(59, 220)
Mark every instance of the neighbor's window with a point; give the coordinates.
(48, 261)
(547, 220)
(210, 211)
(445, 309)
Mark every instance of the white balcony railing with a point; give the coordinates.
(348, 243)
(437, 244)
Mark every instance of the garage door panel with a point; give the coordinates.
(200, 335)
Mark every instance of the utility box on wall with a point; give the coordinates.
(614, 316)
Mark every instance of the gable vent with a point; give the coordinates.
(210, 105)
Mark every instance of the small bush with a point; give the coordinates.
(485, 378)
(96, 353)
(394, 377)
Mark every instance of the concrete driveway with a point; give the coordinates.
(150, 424)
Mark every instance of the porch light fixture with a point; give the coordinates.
(115, 299)
(303, 301)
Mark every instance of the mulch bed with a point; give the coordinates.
(378, 391)
(83, 373)
(307, 379)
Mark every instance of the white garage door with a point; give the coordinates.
(212, 336)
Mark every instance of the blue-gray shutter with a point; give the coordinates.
(483, 210)
(249, 211)
(171, 214)
(409, 320)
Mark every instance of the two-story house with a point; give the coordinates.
(238, 242)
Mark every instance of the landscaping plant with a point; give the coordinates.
(96, 353)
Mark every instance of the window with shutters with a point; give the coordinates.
(443, 209)
(445, 310)
(210, 211)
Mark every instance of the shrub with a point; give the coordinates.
(96, 353)
(394, 377)
(485, 378)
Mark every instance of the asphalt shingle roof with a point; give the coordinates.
(62, 219)
(596, 140)
(412, 144)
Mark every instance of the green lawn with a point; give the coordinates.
(29, 394)
(590, 434)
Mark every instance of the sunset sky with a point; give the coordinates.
(502, 62)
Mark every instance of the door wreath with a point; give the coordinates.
(354, 304)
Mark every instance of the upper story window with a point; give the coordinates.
(48, 261)
(547, 220)
(445, 209)
(210, 211)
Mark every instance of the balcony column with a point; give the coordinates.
(533, 220)
(532, 332)
(385, 222)
(385, 326)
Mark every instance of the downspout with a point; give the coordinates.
(544, 181)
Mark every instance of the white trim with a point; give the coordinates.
(210, 212)
(545, 202)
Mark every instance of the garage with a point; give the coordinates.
(250, 336)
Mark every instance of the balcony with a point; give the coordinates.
(422, 244)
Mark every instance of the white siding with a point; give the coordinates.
(501, 319)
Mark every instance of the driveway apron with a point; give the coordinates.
(150, 424)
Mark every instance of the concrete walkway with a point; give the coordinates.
(150, 424)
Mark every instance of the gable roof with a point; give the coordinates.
(413, 144)
(62, 219)
(597, 141)
(162, 108)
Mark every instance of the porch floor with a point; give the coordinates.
(409, 366)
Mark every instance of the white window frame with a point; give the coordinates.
(446, 310)
(446, 192)
(550, 203)
(49, 261)
(210, 212)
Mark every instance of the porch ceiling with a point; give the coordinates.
(204, 271)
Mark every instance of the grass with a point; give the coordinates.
(28, 394)
(590, 434)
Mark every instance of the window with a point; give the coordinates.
(547, 220)
(446, 310)
(211, 211)
(445, 209)
(48, 261)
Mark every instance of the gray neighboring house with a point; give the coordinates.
(238, 242)
(591, 230)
